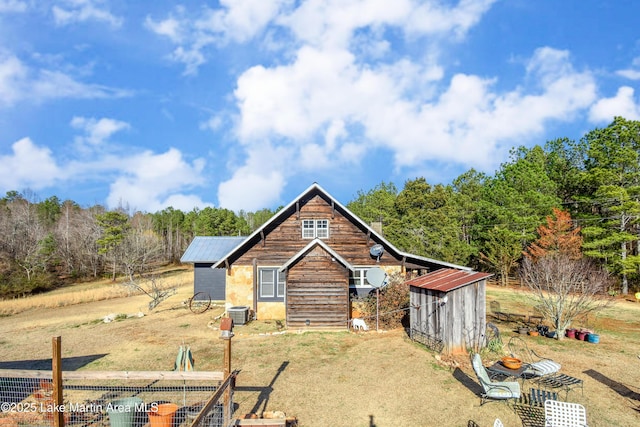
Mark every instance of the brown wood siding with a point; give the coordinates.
(286, 240)
(318, 291)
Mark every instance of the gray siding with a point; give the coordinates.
(460, 323)
(209, 281)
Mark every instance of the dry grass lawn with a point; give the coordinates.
(322, 378)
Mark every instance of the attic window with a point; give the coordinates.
(312, 228)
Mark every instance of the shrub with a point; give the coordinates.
(393, 303)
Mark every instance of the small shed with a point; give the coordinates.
(447, 309)
(203, 252)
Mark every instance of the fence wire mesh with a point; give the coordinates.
(115, 402)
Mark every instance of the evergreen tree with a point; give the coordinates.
(611, 197)
(558, 236)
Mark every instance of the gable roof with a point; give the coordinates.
(209, 248)
(316, 190)
(309, 247)
(447, 279)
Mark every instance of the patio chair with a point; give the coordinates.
(564, 414)
(538, 366)
(493, 390)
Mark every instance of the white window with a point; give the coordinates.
(271, 284)
(358, 278)
(312, 228)
(322, 228)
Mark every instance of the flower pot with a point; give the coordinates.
(162, 415)
(571, 333)
(122, 412)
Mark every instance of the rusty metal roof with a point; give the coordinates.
(447, 279)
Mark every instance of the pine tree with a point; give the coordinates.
(558, 236)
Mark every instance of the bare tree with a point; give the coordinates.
(141, 247)
(152, 287)
(566, 288)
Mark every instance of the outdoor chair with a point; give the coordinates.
(530, 407)
(537, 366)
(564, 414)
(493, 390)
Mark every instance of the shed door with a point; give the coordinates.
(318, 291)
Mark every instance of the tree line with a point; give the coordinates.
(47, 243)
(479, 220)
(488, 221)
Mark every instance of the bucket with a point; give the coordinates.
(162, 415)
(594, 338)
(122, 411)
(571, 333)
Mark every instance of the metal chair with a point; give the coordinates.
(564, 414)
(493, 390)
(538, 366)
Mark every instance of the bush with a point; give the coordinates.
(393, 303)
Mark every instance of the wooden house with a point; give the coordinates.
(203, 252)
(448, 309)
(305, 263)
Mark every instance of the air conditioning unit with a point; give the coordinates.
(239, 314)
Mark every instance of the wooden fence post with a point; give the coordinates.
(226, 333)
(56, 371)
(227, 372)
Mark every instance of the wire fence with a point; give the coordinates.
(116, 399)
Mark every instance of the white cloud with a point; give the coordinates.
(623, 104)
(324, 24)
(28, 166)
(152, 182)
(18, 82)
(170, 27)
(250, 190)
(97, 131)
(236, 21)
(299, 102)
(12, 74)
(259, 182)
(241, 20)
(7, 6)
(55, 84)
(629, 73)
(145, 181)
(79, 11)
(632, 73)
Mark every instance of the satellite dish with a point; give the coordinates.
(376, 251)
(376, 277)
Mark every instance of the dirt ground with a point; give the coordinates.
(327, 378)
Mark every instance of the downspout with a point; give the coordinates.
(255, 288)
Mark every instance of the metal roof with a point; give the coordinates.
(210, 248)
(447, 279)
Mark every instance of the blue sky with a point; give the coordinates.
(242, 104)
